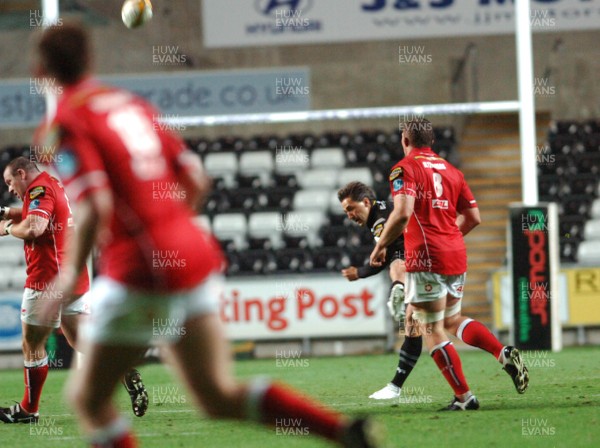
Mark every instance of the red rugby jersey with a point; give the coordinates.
(110, 139)
(433, 241)
(45, 197)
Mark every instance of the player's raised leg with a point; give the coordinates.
(477, 335)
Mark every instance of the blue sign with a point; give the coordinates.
(10, 321)
(22, 102)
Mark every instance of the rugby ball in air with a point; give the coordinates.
(135, 13)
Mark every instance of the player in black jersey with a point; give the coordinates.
(359, 202)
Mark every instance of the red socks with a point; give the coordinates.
(35, 376)
(291, 413)
(447, 360)
(476, 334)
(127, 440)
(115, 435)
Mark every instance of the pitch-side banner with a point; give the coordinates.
(304, 307)
(177, 94)
(241, 23)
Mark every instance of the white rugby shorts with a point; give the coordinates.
(121, 316)
(429, 286)
(31, 308)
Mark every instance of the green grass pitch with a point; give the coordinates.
(560, 409)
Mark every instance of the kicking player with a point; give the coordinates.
(43, 223)
(157, 266)
(361, 206)
(435, 206)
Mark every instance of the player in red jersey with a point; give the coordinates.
(160, 275)
(43, 222)
(435, 208)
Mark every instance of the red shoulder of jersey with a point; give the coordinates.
(40, 197)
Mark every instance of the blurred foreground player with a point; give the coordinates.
(156, 265)
(435, 207)
(44, 222)
(361, 206)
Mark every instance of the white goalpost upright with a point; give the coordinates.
(533, 249)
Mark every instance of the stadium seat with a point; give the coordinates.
(291, 160)
(355, 174)
(360, 257)
(279, 198)
(224, 165)
(575, 205)
(285, 180)
(595, 211)
(336, 211)
(550, 187)
(568, 249)
(257, 262)
(292, 261)
(592, 143)
(330, 259)
(203, 222)
(588, 163)
(304, 224)
(233, 263)
(266, 225)
(332, 158)
(564, 127)
(360, 237)
(249, 181)
(337, 139)
(217, 202)
(248, 200)
(258, 163)
(334, 236)
(199, 145)
(583, 184)
(312, 200)
(591, 230)
(231, 226)
(588, 252)
(572, 226)
(318, 178)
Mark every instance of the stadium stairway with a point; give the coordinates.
(490, 159)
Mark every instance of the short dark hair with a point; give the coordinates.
(21, 163)
(64, 52)
(419, 132)
(356, 191)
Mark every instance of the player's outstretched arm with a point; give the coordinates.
(28, 229)
(468, 220)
